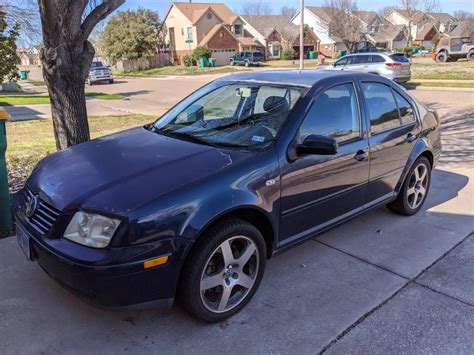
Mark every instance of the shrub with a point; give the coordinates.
(287, 54)
(202, 52)
(188, 60)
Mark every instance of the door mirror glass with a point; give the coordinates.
(320, 145)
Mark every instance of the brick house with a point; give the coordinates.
(274, 34)
(212, 25)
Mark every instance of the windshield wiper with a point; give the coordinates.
(195, 139)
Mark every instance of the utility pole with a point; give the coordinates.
(302, 37)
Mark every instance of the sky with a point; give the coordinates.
(162, 6)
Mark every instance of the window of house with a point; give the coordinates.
(238, 30)
(275, 50)
(209, 15)
(383, 110)
(190, 33)
(334, 114)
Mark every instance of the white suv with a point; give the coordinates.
(392, 65)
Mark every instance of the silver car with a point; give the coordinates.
(392, 65)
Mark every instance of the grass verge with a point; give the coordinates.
(30, 141)
(179, 70)
(460, 70)
(15, 100)
(37, 83)
(441, 84)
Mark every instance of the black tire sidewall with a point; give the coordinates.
(190, 286)
(407, 209)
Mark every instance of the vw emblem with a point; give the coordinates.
(31, 206)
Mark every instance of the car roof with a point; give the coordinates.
(306, 78)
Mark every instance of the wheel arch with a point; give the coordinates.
(252, 214)
(421, 149)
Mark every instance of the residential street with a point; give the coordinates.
(379, 284)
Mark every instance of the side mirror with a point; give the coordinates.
(318, 145)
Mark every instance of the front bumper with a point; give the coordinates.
(111, 277)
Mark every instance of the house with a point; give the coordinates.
(277, 33)
(213, 25)
(443, 21)
(463, 29)
(317, 19)
(404, 17)
(371, 21)
(29, 56)
(390, 37)
(426, 34)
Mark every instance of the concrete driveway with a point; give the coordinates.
(379, 284)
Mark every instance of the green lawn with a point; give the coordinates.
(460, 70)
(30, 141)
(441, 84)
(180, 70)
(37, 83)
(15, 100)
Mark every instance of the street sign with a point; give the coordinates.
(189, 40)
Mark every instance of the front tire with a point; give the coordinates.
(470, 55)
(415, 188)
(223, 271)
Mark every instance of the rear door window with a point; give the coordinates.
(377, 59)
(407, 113)
(383, 109)
(361, 59)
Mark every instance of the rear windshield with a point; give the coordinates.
(399, 57)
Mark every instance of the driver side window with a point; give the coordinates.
(334, 114)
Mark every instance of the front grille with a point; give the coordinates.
(44, 216)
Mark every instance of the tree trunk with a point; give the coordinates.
(65, 74)
(67, 56)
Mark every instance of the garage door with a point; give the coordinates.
(223, 56)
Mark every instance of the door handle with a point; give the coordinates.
(410, 138)
(361, 155)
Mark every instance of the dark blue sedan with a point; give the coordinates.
(193, 205)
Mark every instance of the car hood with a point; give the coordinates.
(120, 172)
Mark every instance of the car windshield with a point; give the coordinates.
(97, 64)
(233, 115)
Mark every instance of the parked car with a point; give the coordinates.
(99, 73)
(247, 58)
(195, 203)
(453, 48)
(392, 65)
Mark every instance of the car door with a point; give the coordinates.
(359, 63)
(318, 190)
(394, 130)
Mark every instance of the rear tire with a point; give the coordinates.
(223, 271)
(111, 81)
(231, 63)
(415, 188)
(442, 57)
(247, 64)
(470, 55)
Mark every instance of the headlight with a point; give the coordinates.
(91, 230)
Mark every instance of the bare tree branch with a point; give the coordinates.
(257, 8)
(98, 14)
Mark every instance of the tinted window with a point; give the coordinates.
(377, 59)
(360, 59)
(407, 113)
(399, 57)
(342, 62)
(335, 114)
(383, 109)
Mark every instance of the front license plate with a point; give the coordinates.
(24, 241)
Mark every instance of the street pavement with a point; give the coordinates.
(379, 284)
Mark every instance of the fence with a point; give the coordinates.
(157, 61)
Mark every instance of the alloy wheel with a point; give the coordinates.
(417, 186)
(229, 274)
